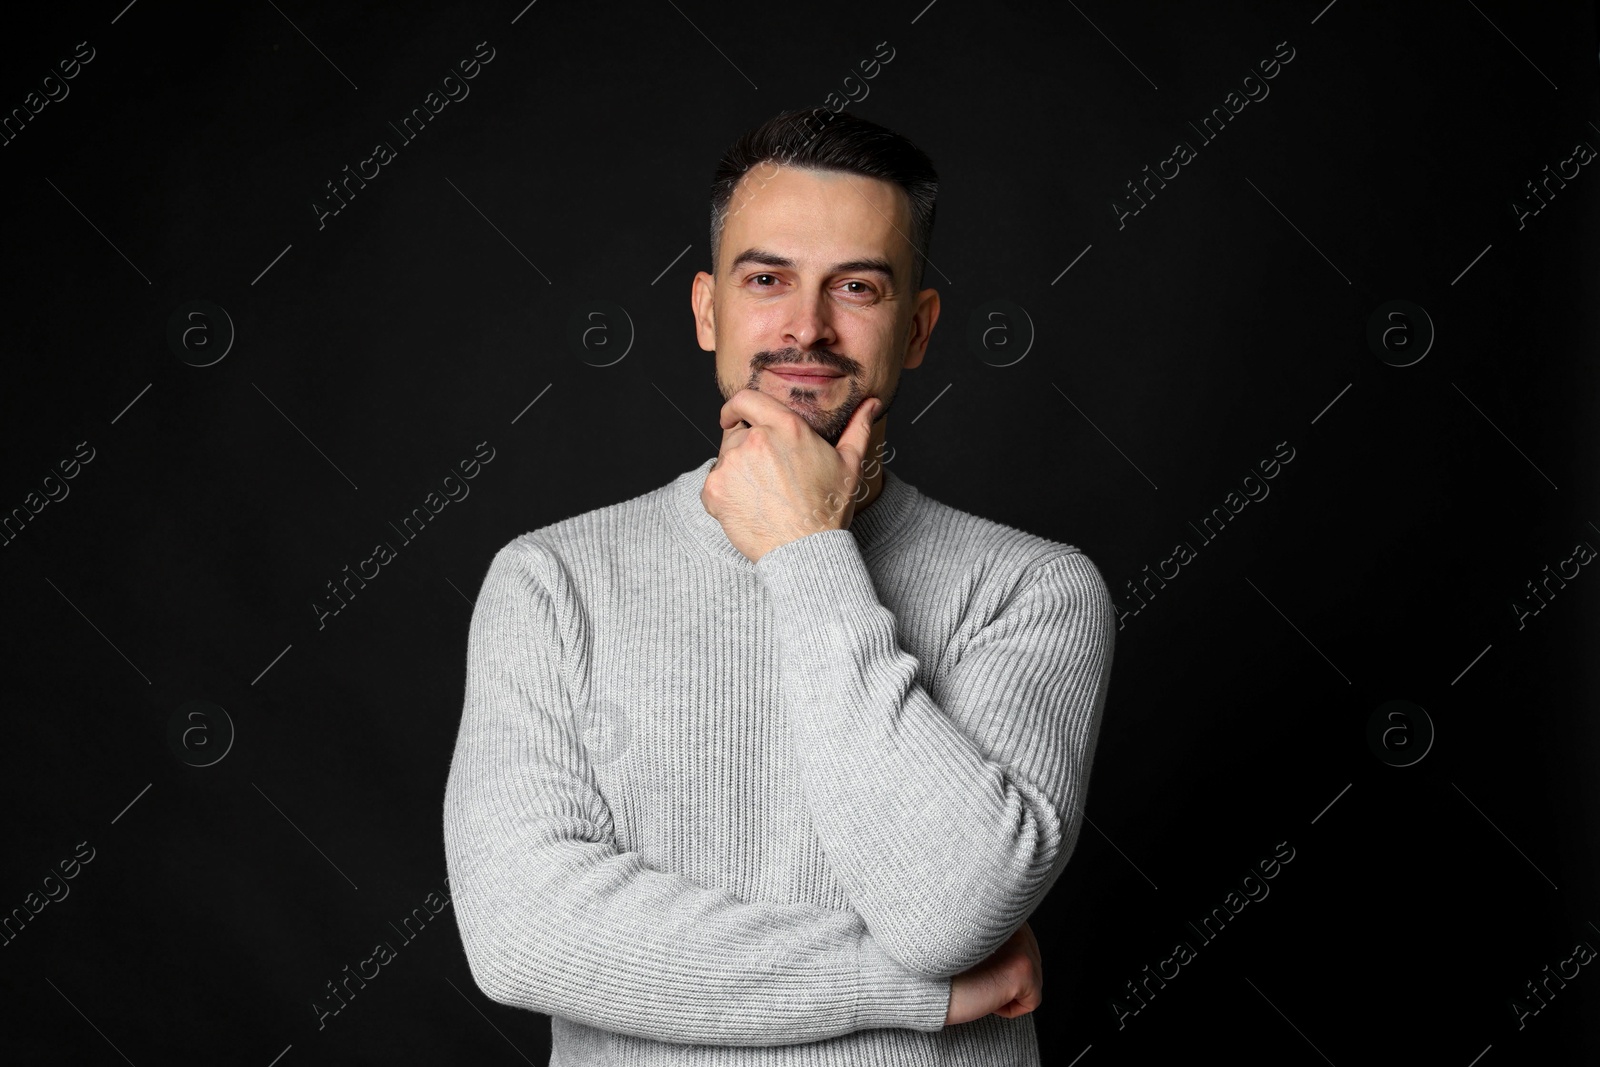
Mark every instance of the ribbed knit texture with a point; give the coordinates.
(703, 811)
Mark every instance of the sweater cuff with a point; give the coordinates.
(887, 994)
(822, 570)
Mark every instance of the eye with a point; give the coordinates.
(865, 290)
(754, 277)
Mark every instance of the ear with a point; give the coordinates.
(922, 320)
(702, 305)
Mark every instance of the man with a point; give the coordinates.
(771, 764)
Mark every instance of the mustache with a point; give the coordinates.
(818, 357)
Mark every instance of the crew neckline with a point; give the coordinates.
(873, 528)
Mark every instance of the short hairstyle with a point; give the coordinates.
(838, 141)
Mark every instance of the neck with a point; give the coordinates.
(872, 466)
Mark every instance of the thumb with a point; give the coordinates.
(857, 436)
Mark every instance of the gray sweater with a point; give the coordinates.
(703, 811)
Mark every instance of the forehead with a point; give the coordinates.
(817, 216)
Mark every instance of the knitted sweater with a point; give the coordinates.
(708, 812)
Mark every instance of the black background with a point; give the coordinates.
(372, 354)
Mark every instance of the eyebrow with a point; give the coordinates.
(870, 265)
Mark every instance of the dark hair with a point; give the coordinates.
(839, 141)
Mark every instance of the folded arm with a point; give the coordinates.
(555, 918)
(947, 821)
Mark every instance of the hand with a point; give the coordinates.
(776, 480)
(1009, 983)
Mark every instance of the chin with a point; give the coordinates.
(806, 409)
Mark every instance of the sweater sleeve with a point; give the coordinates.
(555, 918)
(946, 820)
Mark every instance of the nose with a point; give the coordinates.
(809, 324)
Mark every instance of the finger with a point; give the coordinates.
(1012, 1009)
(728, 445)
(732, 437)
(754, 408)
(857, 436)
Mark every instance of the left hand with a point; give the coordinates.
(1008, 984)
(776, 480)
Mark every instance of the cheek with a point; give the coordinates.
(758, 325)
(740, 335)
(874, 347)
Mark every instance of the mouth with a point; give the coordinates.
(804, 374)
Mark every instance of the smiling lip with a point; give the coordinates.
(804, 374)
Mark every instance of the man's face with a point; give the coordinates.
(812, 301)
